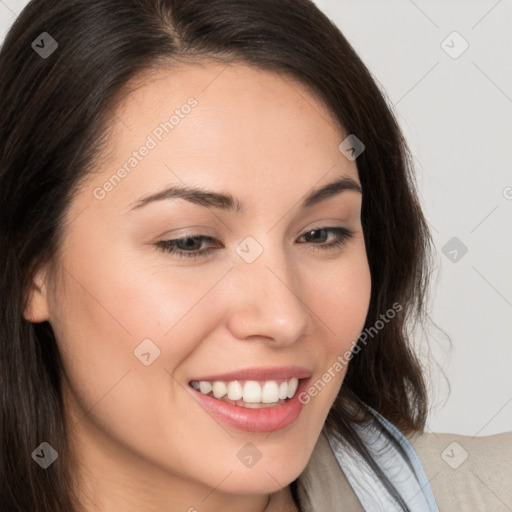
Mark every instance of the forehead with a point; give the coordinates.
(228, 86)
(221, 122)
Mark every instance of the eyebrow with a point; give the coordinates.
(225, 201)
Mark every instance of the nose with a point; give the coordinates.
(266, 301)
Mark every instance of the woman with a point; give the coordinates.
(213, 252)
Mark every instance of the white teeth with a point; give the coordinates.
(205, 387)
(270, 392)
(219, 389)
(292, 387)
(283, 390)
(252, 392)
(235, 391)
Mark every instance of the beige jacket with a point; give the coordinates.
(465, 473)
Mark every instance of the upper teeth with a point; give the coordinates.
(251, 391)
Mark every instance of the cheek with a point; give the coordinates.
(104, 311)
(341, 298)
(105, 382)
(341, 306)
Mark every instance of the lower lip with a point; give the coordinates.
(242, 418)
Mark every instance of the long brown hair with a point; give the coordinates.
(55, 111)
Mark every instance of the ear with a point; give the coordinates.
(37, 303)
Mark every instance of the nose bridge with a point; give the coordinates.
(266, 301)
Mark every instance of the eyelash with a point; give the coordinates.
(344, 235)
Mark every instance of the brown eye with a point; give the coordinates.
(342, 236)
(183, 249)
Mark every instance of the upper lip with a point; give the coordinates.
(261, 373)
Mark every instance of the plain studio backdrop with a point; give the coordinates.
(446, 70)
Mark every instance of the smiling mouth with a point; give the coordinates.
(251, 394)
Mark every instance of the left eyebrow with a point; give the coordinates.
(225, 201)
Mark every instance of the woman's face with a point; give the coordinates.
(135, 323)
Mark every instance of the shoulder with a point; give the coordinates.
(390, 462)
(467, 473)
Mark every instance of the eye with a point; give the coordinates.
(341, 237)
(179, 246)
(189, 246)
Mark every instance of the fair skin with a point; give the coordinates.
(142, 441)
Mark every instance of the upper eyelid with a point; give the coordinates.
(212, 237)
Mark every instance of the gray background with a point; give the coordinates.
(455, 111)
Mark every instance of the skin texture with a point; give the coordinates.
(142, 441)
